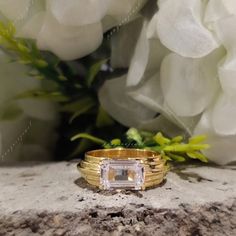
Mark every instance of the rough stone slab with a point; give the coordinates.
(52, 199)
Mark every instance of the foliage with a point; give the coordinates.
(174, 149)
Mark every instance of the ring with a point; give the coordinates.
(134, 169)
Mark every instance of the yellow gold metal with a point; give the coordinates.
(155, 168)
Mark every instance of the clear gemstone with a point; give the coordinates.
(122, 174)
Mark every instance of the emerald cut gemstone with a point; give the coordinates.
(122, 174)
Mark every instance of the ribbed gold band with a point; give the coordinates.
(154, 166)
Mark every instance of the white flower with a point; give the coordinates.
(71, 29)
(19, 116)
(149, 94)
(183, 66)
(180, 28)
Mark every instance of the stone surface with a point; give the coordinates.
(52, 199)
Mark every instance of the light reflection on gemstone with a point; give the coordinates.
(122, 174)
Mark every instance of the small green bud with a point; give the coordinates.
(198, 155)
(41, 63)
(133, 134)
(116, 142)
(62, 78)
(197, 139)
(161, 140)
(177, 139)
(23, 48)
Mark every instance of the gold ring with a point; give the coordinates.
(123, 168)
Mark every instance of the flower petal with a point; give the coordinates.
(189, 85)
(36, 136)
(15, 10)
(32, 26)
(69, 42)
(227, 73)
(225, 29)
(181, 30)
(75, 13)
(162, 124)
(123, 8)
(147, 58)
(9, 132)
(219, 9)
(224, 115)
(127, 35)
(45, 109)
(114, 99)
(150, 95)
(222, 148)
(152, 29)
(34, 152)
(121, 12)
(14, 79)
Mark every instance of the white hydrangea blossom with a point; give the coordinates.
(71, 29)
(184, 67)
(20, 119)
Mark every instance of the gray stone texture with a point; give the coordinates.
(52, 199)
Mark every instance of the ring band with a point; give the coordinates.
(122, 168)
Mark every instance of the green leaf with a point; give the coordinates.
(177, 139)
(176, 158)
(150, 143)
(23, 48)
(79, 104)
(156, 149)
(41, 94)
(84, 109)
(197, 155)
(197, 139)
(165, 157)
(62, 78)
(33, 73)
(10, 112)
(133, 134)
(161, 140)
(103, 119)
(146, 135)
(83, 145)
(185, 147)
(89, 137)
(93, 71)
(107, 146)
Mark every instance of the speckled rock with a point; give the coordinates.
(52, 199)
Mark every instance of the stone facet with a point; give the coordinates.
(122, 174)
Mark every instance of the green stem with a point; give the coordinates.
(89, 137)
